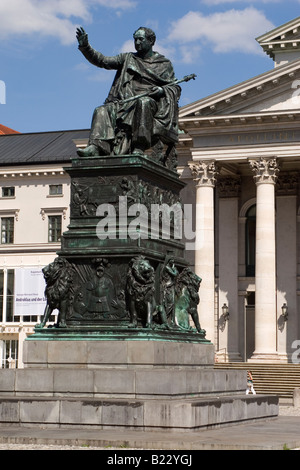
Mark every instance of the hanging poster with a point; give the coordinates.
(29, 298)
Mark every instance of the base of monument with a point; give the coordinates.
(120, 333)
(109, 353)
(138, 415)
(141, 385)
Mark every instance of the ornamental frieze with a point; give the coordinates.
(88, 194)
(229, 186)
(247, 138)
(287, 184)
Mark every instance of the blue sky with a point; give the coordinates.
(50, 86)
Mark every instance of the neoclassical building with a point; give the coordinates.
(239, 154)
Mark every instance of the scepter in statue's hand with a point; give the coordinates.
(82, 37)
(160, 90)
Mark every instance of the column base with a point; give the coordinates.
(285, 358)
(265, 357)
(222, 356)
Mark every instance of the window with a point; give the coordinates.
(250, 241)
(1, 294)
(10, 295)
(250, 299)
(55, 190)
(54, 228)
(8, 191)
(7, 230)
(7, 287)
(9, 353)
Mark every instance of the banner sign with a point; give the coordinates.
(29, 298)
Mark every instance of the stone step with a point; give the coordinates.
(129, 383)
(273, 379)
(144, 415)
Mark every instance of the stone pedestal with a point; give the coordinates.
(113, 208)
(123, 354)
(122, 207)
(139, 385)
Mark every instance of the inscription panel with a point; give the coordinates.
(247, 138)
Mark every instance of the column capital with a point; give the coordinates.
(204, 172)
(265, 170)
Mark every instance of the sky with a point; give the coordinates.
(47, 85)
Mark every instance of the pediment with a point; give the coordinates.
(276, 90)
(285, 38)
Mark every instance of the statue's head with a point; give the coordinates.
(149, 34)
(144, 39)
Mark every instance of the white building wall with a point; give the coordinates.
(286, 238)
(31, 206)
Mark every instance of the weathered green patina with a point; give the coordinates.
(121, 272)
(123, 125)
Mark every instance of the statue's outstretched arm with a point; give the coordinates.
(93, 56)
(82, 37)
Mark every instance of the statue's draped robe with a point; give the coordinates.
(135, 76)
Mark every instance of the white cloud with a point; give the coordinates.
(53, 18)
(233, 30)
(221, 2)
(121, 4)
(189, 54)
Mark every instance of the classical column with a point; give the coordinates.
(265, 176)
(204, 173)
(228, 240)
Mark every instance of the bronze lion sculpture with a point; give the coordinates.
(58, 277)
(187, 299)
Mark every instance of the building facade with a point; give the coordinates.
(34, 212)
(240, 157)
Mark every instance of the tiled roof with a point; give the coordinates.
(6, 130)
(44, 147)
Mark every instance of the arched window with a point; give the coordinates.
(250, 241)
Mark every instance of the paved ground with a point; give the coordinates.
(276, 434)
